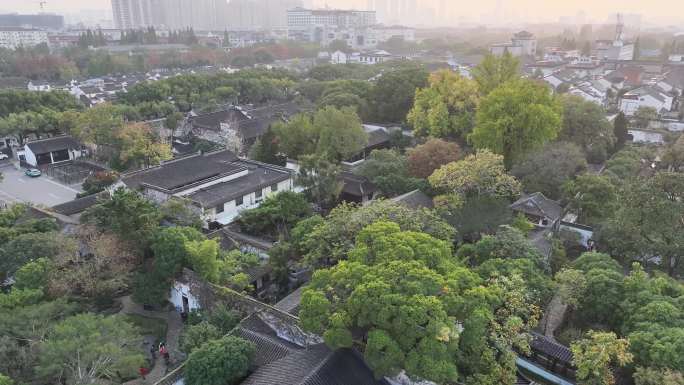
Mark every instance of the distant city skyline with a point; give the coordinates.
(442, 12)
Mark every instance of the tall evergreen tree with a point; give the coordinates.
(620, 130)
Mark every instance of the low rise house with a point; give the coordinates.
(78, 206)
(540, 210)
(375, 57)
(285, 354)
(646, 96)
(238, 127)
(339, 57)
(588, 92)
(357, 188)
(219, 185)
(48, 151)
(522, 43)
(415, 200)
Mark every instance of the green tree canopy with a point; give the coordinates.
(127, 214)
(620, 130)
(203, 258)
(404, 315)
(595, 355)
(475, 216)
(276, 215)
(195, 336)
(547, 170)
(516, 118)
(88, 347)
(585, 124)
(648, 221)
(384, 241)
(168, 247)
(480, 174)
(593, 197)
(331, 239)
(320, 179)
(297, 137)
(220, 362)
(392, 96)
(424, 159)
(388, 170)
(494, 71)
(341, 133)
(446, 108)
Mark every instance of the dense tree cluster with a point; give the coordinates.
(406, 301)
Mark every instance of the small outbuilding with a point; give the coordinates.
(48, 151)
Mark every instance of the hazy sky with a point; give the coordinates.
(533, 10)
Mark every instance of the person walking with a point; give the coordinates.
(143, 372)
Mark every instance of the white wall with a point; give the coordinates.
(176, 298)
(249, 201)
(630, 106)
(30, 156)
(641, 136)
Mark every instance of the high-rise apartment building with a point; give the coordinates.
(132, 14)
(259, 14)
(173, 14)
(308, 24)
(42, 21)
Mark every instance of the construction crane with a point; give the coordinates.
(619, 29)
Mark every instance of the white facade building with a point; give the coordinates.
(338, 57)
(182, 298)
(522, 44)
(645, 97)
(218, 185)
(313, 24)
(12, 38)
(132, 14)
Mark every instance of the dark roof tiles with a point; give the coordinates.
(186, 171)
(546, 346)
(79, 205)
(539, 205)
(58, 143)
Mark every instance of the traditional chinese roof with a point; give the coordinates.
(58, 143)
(538, 205)
(550, 348)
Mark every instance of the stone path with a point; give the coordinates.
(553, 317)
(174, 328)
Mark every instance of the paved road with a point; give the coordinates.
(17, 187)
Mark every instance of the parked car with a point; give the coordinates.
(33, 172)
(3, 156)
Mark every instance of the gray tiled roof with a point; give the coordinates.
(79, 205)
(290, 304)
(183, 172)
(356, 185)
(257, 178)
(545, 345)
(539, 205)
(58, 143)
(279, 362)
(415, 199)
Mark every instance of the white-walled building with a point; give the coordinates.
(219, 185)
(14, 37)
(308, 24)
(645, 97)
(522, 43)
(339, 57)
(357, 28)
(48, 151)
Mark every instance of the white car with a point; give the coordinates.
(3, 156)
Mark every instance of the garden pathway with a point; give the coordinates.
(175, 326)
